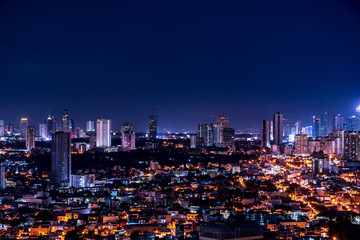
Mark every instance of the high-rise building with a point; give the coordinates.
(9, 129)
(265, 133)
(51, 126)
(301, 144)
(61, 158)
(43, 131)
(30, 138)
(72, 128)
(351, 146)
(90, 127)
(209, 134)
(338, 122)
(350, 123)
(65, 120)
(193, 141)
(228, 137)
(341, 135)
(222, 122)
(152, 127)
(323, 124)
(200, 136)
(2, 128)
(103, 133)
(127, 136)
(317, 127)
(2, 177)
(23, 126)
(278, 128)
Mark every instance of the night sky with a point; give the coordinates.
(190, 60)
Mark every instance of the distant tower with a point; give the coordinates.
(338, 122)
(90, 127)
(51, 126)
(209, 134)
(265, 133)
(153, 127)
(9, 129)
(2, 128)
(61, 159)
(200, 136)
(278, 128)
(317, 127)
(65, 120)
(30, 138)
(23, 126)
(222, 122)
(2, 177)
(127, 136)
(103, 133)
(323, 124)
(43, 131)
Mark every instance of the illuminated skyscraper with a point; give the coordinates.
(323, 124)
(61, 159)
(338, 122)
(152, 127)
(103, 133)
(2, 177)
(127, 136)
(221, 122)
(72, 128)
(265, 133)
(90, 127)
(43, 131)
(200, 136)
(2, 128)
(23, 126)
(209, 134)
(30, 138)
(65, 120)
(317, 127)
(351, 146)
(301, 144)
(51, 126)
(278, 128)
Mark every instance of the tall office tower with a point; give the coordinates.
(30, 138)
(317, 127)
(90, 127)
(200, 136)
(61, 158)
(209, 134)
(192, 141)
(2, 128)
(338, 122)
(350, 123)
(313, 127)
(229, 137)
(9, 129)
(72, 128)
(65, 120)
(323, 124)
(51, 126)
(265, 133)
(127, 136)
(301, 144)
(341, 135)
(351, 146)
(222, 122)
(2, 177)
(152, 127)
(298, 127)
(217, 132)
(278, 128)
(23, 126)
(103, 133)
(43, 131)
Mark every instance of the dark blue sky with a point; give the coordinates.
(188, 59)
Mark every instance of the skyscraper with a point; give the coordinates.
(30, 138)
(209, 134)
(301, 144)
(323, 124)
(51, 126)
(222, 122)
(127, 136)
(65, 120)
(43, 131)
(61, 158)
(103, 133)
(23, 126)
(200, 136)
(2, 128)
(72, 128)
(278, 128)
(265, 133)
(351, 146)
(338, 122)
(2, 177)
(90, 127)
(9, 129)
(317, 127)
(152, 127)
(228, 137)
